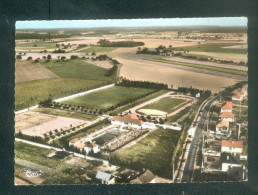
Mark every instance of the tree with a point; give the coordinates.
(45, 51)
(170, 46)
(49, 57)
(93, 53)
(18, 57)
(29, 58)
(63, 58)
(44, 57)
(36, 61)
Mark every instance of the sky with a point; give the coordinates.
(222, 21)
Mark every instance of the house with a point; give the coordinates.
(222, 128)
(229, 161)
(91, 147)
(106, 178)
(237, 97)
(128, 120)
(226, 107)
(230, 146)
(227, 116)
(73, 141)
(79, 145)
(146, 177)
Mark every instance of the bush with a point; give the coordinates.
(29, 58)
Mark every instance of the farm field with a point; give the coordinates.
(98, 49)
(65, 113)
(214, 47)
(78, 69)
(138, 70)
(165, 105)
(29, 71)
(200, 66)
(107, 97)
(50, 45)
(32, 92)
(150, 153)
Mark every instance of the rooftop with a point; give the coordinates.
(231, 143)
(227, 115)
(223, 123)
(145, 177)
(74, 140)
(237, 95)
(92, 145)
(103, 176)
(79, 145)
(129, 118)
(230, 158)
(227, 105)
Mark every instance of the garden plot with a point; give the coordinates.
(38, 124)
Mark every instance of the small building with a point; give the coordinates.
(91, 147)
(227, 116)
(222, 128)
(128, 120)
(73, 141)
(226, 107)
(79, 145)
(237, 97)
(146, 177)
(230, 146)
(106, 178)
(229, 161)
(191, 132)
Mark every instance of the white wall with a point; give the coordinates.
(225, 166)
(232, 150)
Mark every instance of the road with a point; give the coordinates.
(189, 165)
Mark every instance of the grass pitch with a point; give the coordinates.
(153, 152)
(106, 98)
(166, 105)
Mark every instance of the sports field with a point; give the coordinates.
(108, 97)
(153, 152)
(32, 92)
(165, 105)
(78, 69)
(98, 49)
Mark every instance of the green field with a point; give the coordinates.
(32, 92)
(137, 102)
(78, 69)
(66, 113)
(47, 45)
(213, 47)
(106, 98)
(98, 49)
(166, 104)
(153, 152)
(200, 66)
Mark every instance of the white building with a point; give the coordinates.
(128, 120)
(106, 178)
(227, 116)
(73, 141)
(191, 132)
(229, 161)
(222, 128)
(230, 146)
(91, 147)
(146, 177)
(237, 97)
(227, 107)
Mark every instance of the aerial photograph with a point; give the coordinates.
(131, 101)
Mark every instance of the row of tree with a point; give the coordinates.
(107, 43)
(142, 84)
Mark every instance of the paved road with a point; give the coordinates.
(189, 165)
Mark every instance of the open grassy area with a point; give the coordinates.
(153, 152)
(32, 92)
(47, 45)
(106, 98)
(200, 66)
(66, 113)
(214, 47)
(78, 69)
(166, 104)
(98, 49)
(35, 154)
(174, 118)
(138, 102)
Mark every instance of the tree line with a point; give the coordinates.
(107, 43)
(142, 84)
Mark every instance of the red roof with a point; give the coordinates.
(233, 144)
(237, 95)
(74, 140)
(227, 115)
(130, 118)
(92, 145)
(227, 105)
